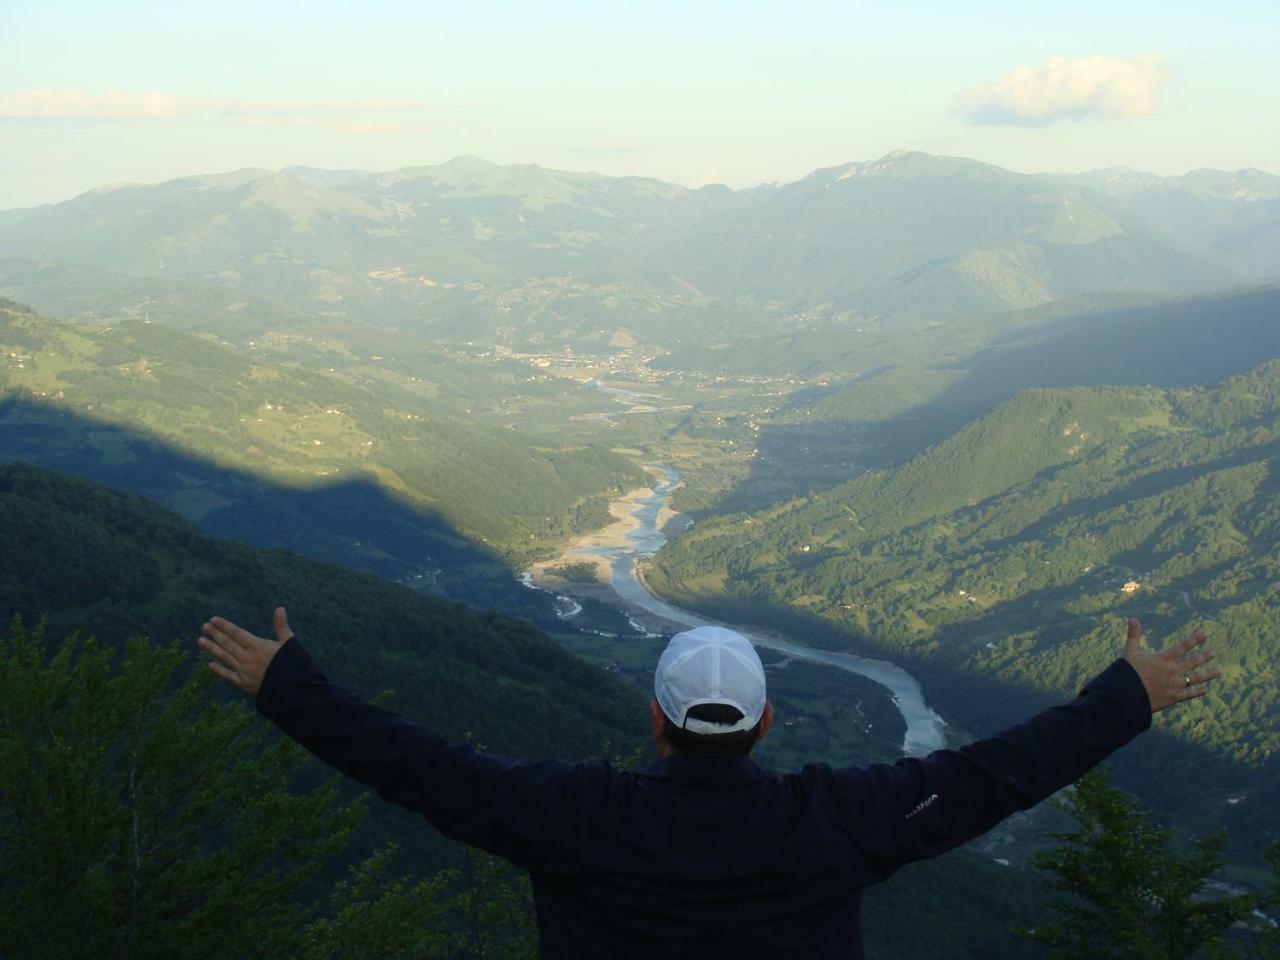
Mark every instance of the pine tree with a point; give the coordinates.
(1129, 895)
(372, 917)
(142, 817)
(1271, 900)
(1264, 944)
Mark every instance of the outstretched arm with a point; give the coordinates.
(921, 807)
(509, 807)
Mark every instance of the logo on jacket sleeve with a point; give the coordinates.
(921, 805)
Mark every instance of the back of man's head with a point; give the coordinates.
(710, 686)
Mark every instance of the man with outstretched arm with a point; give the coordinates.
(705, 854)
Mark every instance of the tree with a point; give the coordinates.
(1270, 938)
(1129, 896)
(496, 903)
(1265, 942)
(140, 816)
(374, 918)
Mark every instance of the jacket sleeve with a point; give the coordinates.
(506, 806)
(921, 807)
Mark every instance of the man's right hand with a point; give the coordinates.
(1172, 675)
(244, 657)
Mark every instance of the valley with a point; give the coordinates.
(926, 429)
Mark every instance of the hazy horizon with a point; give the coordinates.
(740, 95)
(114, 184)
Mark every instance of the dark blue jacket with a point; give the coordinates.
(703, 856)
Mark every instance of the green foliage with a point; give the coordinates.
(576, 572)
(960, 905)
(372, 917)
(496, 904)
(1262, 939)
(483, 911)
(139, 816)
(83, 554)
(1271, 901)
(1130, 897)
(267, 419)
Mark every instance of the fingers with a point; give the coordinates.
(1172, 675)
(221, 632)
(240, 657)
(222, 644)
(1186, 646)
(1191, 693)
(237, 633)
(1133, 638)
(225, 654)
(1191, 662)
(1192, 686)
(281, 623)
(1204, 676)
(230, 676)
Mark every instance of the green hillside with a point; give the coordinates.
(995, 561)
(98, 400)
(113, 565)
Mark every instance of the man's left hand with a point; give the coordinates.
(244, 657)
(1173, 675)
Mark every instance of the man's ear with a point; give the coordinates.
(656, 718)
(766, 721)
(658, 722)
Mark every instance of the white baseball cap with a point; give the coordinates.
(710, 665)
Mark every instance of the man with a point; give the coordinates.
(705, 854)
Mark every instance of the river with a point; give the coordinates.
(925, 729)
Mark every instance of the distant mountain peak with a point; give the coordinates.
(469, 161)
(910, 163)
(1248, 185)
(117, 185)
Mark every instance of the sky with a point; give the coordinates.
(693, 92)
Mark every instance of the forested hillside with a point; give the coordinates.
(384, 479)
(115, 566)
(996, 563)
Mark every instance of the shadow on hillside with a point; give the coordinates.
(1194, 341)
(353, 523)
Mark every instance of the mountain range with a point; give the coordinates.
(469, 250)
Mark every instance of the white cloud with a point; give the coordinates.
(1067, 89)
(83, 105)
